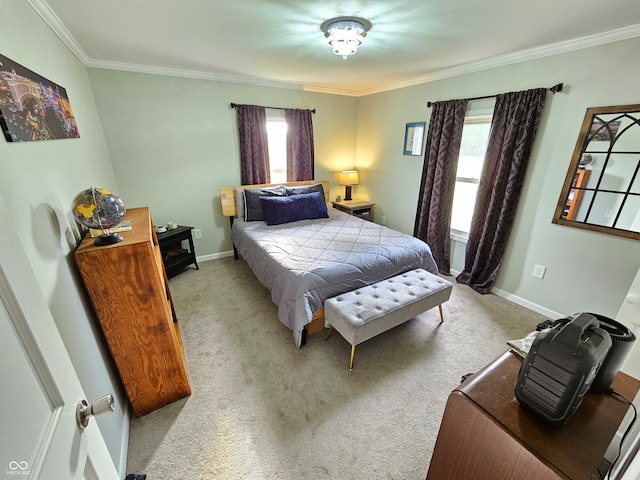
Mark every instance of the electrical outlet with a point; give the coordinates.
(538, 271)
(198, 233)
(383, 220)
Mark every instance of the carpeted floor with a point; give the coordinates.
(262, 409)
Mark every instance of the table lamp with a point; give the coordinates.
(348, 178)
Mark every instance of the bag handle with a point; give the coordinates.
(571, 333)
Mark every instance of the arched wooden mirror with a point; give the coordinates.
(602, 189)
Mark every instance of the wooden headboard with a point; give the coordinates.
(228, 194)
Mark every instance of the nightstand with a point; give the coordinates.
(174, 255)
(356, 208)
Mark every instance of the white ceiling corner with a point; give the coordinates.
(278, 43)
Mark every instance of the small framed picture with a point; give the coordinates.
(413, 136)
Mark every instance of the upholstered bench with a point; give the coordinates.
(368, 311)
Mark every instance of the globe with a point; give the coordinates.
(101, 209)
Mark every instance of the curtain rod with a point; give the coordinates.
(234, 105)
(555, 89)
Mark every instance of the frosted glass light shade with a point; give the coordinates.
(345, 34)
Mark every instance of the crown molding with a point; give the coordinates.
(194, 74)
(49, 16)
(255, 81)
(515, 57)
(43, 9)
(310, 87)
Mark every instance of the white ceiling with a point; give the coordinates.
(279, 42)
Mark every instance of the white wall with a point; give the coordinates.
(37, 183)
(586, 271)
(174, 143)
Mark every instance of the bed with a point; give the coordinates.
(304, 262)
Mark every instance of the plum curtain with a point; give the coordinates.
(435, 201)
(300, 149)
(515, 120)
(254, 151)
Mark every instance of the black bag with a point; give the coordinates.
(560, 366)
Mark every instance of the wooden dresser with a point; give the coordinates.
(486, 435)
(128, 288)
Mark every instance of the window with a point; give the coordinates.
(277, 141)
(475, 136)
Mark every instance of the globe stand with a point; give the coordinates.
(107, 239)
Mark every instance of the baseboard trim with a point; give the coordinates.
(552, 315)
(522, 301)
(214, 256)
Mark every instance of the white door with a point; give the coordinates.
(39, 435)
(629, 316)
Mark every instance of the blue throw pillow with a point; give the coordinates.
(306, 206)
(252, 205)
(305, 189)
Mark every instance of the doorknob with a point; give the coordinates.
(84, 411)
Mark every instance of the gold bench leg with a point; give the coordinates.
(441, 315)
(329, 332)
(353, 353)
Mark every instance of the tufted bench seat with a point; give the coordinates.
(368, 311)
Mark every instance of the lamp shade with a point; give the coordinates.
(349, 177)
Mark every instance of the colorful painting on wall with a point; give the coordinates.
(32, 107)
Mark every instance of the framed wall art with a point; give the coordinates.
(413, 136)
(32, 107)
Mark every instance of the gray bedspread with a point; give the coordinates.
(303, 263)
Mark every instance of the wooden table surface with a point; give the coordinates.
(576, 448)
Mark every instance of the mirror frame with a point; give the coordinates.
(573, 168)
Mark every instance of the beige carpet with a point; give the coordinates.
(261, 409)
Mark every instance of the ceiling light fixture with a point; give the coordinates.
(345, 34)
